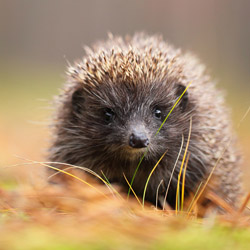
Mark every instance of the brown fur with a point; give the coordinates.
(130, 78)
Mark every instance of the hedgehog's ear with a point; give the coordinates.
(77, 101)
(184, 100)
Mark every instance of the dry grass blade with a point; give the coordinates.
(244, 117)
(179, 176)
(110, 185)
(146, 185)
(64, 164)
(183, 182)
(220, 202)
(172, 173)
(157, 194)
(69, 174)
(244, 205)
(195, 195)
(132, 189)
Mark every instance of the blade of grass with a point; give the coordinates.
(76, 167)
(107, 183)
(70, 167)
(106, 178)
(179, 176)
(81, 168)
(195, 195)
(244, 117)
(220, 202)
(131, 183)
(244, 204)
(69, 174)
(114, 190)
(177, 199)
(172, 173)
(157, 194)
(146, 185)
(178, 100)
(132, 189)
(183, 182)
(59, 163)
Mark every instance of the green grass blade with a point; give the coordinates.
(173, 108)
(131, 183)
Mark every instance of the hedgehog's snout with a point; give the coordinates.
(138, 138)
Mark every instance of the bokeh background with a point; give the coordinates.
(37, 38)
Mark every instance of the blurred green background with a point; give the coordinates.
(38, 37)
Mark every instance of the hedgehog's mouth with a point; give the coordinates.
(135, 150)
(133, 153)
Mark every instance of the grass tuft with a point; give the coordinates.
(178, 100)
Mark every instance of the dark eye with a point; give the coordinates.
(157, 113)
(109, 115)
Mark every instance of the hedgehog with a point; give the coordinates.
(114, 112)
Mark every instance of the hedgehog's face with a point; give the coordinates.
(122, 119)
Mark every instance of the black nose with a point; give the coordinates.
(138, 140)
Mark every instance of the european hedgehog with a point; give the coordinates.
(117, 98)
